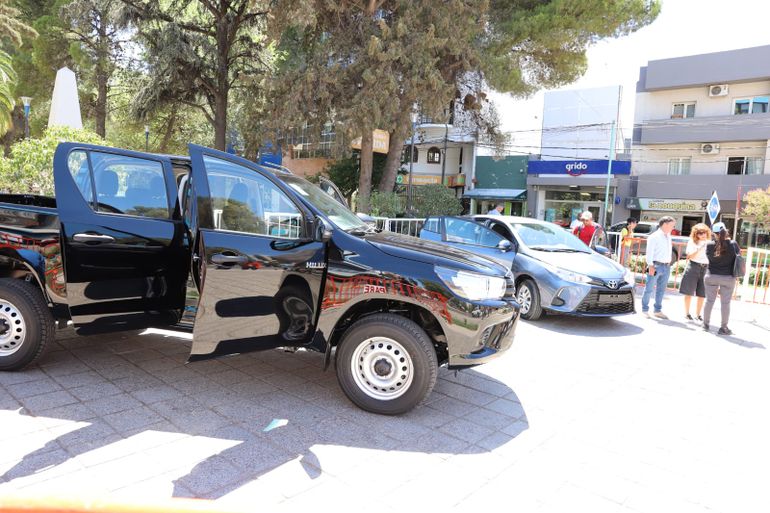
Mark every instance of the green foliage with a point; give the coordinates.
(758, 205)
(386, 204)
(29, 169)
(435, 200)
(344, 173)
(7, 103)
(11, 27)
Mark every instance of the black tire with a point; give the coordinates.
(294, 308)
(26, 324)
(388, 335)
(528, 296)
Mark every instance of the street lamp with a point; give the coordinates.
(26, 101)
(413, 119)
(146, 137)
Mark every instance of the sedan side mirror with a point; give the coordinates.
(602, 251)
(504, 245)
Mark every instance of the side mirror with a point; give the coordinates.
(602, 251)
(321, 231)
(504, 245)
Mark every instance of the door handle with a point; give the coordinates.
(222, 259)
(92, 237)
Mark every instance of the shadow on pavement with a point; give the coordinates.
(264, 409)
(592, 327)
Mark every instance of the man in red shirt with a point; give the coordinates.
(587, 228)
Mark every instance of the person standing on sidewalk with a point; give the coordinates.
(692, 280)
(719, 278)
(658, 266)
(626, 240)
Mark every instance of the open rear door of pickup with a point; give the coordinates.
(258, 268)
(126, 255)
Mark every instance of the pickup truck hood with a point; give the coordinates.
(592, 264)
(405, 246)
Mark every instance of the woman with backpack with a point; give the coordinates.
(721, 254)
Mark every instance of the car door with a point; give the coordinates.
(476, 238)
(124, 245)
(259, 268)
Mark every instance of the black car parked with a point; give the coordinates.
(247, 259)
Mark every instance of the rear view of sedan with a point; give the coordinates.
(553, 270)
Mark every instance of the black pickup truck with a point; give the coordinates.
(246, 258)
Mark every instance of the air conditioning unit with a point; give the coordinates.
(709, 149)
(718, 90)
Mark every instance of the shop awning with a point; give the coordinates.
(494, 194)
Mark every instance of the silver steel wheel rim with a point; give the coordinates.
(382, 368)
(13, 328)
(525, 298)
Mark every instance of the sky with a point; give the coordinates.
(684, 27)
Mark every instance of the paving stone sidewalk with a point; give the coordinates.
(627, 414)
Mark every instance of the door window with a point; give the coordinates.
(242, 200)
(469, 232)
(124, 185)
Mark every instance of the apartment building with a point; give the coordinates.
(702, 124)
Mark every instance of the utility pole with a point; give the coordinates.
(609, 174)
(413, 119)
(443, 162)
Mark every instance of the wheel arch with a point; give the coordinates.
(24, 267)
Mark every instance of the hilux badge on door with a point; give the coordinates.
(315, 265)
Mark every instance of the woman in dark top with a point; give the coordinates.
(719, 278)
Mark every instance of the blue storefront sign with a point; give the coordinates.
(577, 167)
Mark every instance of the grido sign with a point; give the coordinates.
(577, 167)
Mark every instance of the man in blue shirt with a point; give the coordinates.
(658, 266)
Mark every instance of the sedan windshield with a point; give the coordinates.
(548, 237)
(336, 212)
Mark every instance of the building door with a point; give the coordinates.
(688, 222)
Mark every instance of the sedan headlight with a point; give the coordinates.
(571, 276)
(629, 277)
(472, 286)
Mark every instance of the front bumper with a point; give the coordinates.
(494, 333)
(592, 300)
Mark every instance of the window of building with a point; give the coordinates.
(755, 105)
(745, 166)
(307, 143)
(405, 155)
(683, 110)
(679, 166)
(434, 156)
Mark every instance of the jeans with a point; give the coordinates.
(724, 285)
(659, 283)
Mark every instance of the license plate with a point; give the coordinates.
(611, 298)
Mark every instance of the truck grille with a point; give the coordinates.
(607, 303)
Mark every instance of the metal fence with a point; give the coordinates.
(405, 226)
(756, 282)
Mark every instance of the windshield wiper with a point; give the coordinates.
(361, 231)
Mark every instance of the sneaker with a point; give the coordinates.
(646, 313)
(660, 315)
(689, 317)
(705, 327)
(700, 318)
(725, 331)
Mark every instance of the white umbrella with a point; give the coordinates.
(65, 105)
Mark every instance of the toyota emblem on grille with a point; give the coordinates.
(613, 284)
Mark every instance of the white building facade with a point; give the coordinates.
(702, 124)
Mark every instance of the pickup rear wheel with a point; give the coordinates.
(386, 364)
(528, 297)
(26, 324)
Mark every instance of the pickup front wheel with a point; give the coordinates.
(386, 364)
(26, 324)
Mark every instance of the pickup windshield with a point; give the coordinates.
(336, 212)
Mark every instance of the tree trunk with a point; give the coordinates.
(393, 160)
(102, 80)
(223, 86)
(365, 176)
(169, 131)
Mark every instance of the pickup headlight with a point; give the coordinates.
(472, 286)
(571, 276)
